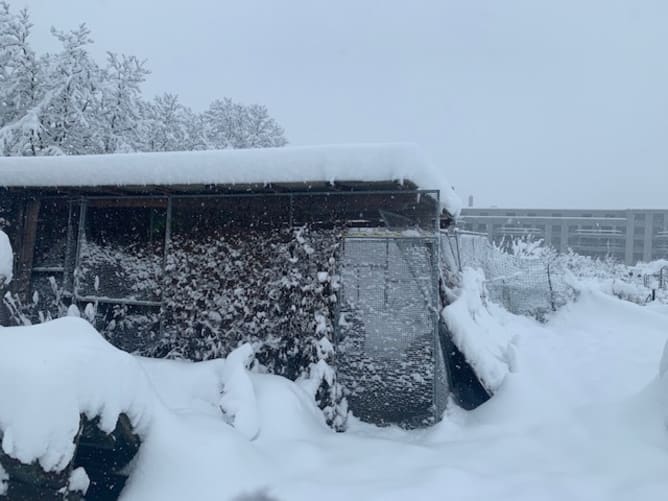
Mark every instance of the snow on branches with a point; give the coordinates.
(65, 103)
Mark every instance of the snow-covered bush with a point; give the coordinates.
(274, 289)
(529, 278)
(129, 272)
(46, 303)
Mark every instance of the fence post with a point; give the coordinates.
(165, 255)
(549, 284)
(459, 255)
(81, 237)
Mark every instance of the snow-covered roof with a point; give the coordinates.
(302, 164)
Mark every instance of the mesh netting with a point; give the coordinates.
(523, 285)
(387, 330)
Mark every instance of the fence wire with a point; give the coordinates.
(523, 285)
(387, 354)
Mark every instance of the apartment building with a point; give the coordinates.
(628, 236)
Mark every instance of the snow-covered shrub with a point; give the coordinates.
(127, 327)
(529, 278)
(4, 478)
(46, 303)
(6, 213)
(129, 272)
(614, 278)
(274, 289)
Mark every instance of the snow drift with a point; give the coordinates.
(67, 369)
(52, 373)
(571, 421)
(484, 342)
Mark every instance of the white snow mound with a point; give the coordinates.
(6, 259)
(52, 373)
(483, 340)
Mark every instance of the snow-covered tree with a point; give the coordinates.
(65, 103)
(171, 126)
(21, 85)
(121, 124)
(69, 117)
(234, 125)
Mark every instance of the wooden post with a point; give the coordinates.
(70, 248)
(81, 236)
(26, 251)
(168, 240)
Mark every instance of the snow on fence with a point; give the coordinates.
(525, 285)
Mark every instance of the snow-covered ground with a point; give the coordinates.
(581, 416)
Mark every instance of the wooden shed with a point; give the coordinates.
(189, 253)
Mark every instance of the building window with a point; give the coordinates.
(659, 220)
(640, 218)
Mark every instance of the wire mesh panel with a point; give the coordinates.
(121, 250)
(387, 345)
(523, 285)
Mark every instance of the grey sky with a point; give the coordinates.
(522, 102)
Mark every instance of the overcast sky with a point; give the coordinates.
(559, 103)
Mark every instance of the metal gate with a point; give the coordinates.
(388, 353)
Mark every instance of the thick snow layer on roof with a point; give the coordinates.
(361, 162)
(6, 259)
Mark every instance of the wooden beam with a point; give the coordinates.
(125, 202)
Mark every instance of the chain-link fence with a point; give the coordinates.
(388, 352)
(524, 285)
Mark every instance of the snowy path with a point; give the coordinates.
(572, 422)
